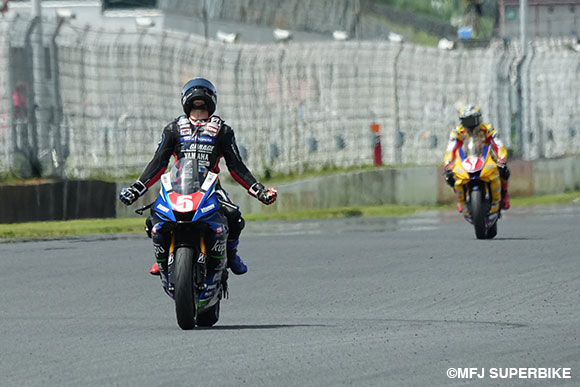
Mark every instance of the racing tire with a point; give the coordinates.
(209, 317)
(185, 308)
(492, 232)
(478, 214)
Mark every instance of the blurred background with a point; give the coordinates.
(87, 86)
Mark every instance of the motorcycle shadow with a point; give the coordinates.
(514, 239)
(265, 326)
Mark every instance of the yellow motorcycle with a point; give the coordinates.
(474, 170)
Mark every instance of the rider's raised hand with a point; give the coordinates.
(268, 196)
(265, 195)
(130, 194)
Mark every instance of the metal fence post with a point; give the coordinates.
(42, 111)
(58, 156)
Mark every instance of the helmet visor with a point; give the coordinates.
(471, 121)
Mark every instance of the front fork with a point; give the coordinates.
(199, 267)
(486, 194)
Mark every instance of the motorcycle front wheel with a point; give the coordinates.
(478, 214)
(185, 307)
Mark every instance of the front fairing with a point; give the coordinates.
(187, 192)
(474, 161)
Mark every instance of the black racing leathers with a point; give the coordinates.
(207, 141)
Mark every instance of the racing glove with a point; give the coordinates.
(449, 178)
(130, 194)
(265, 195)
(502, 168)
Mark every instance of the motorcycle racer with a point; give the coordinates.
(200, 135)
(472, 125)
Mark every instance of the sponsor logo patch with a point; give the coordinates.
(162, 208)
(209, 140)
(208, 208)
(219, 247)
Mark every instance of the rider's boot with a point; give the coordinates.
(161, 244)
(495, 195)
(235, 263)
(505, 199)
(164, 274)
(154, 269)
(461, 205)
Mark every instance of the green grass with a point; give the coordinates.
(275, 178)
(564, 198)
(40, 230)
(35, 230)
(343, 212)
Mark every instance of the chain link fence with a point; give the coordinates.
(294, 107)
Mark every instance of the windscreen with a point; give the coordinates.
(187, 176)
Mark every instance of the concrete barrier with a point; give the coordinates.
(61, 200)
(556, 175)
(404, 186)
(407, 186)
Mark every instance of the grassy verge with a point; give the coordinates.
(420, 38)
(36, 230)
(564, 198)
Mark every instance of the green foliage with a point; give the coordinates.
(420, 38)
(444, 12)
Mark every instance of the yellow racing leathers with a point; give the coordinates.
(498, 183)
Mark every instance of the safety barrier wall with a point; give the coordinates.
(406, 186)
(402, 186)
(57, 201)
(294, 107)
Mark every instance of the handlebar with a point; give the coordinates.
(142, 209)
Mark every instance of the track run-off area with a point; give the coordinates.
(341, 302)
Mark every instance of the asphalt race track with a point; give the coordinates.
(357, 302)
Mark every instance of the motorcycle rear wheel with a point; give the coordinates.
(477, 214)
(185, 308)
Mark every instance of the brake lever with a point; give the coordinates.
(140, 210)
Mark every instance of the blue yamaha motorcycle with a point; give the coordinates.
(197, 260)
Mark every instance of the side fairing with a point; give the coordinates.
(163, 206)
